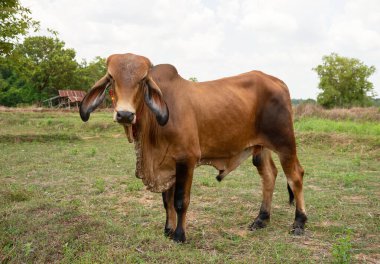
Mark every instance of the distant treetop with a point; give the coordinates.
(344, 82)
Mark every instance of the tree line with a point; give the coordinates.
(36, 68)
(40, 66)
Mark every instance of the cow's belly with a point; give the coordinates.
(227, 164)
(225, 145)
(226, 148)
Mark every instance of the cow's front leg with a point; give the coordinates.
(184, 178)
(168, 199)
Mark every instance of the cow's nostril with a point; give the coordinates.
(130, 117)
(124, 116)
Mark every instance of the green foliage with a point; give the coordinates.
(39, 67)
(133, 186)
(344, 82)
(100, 185)
(36, 69)
(89, 73)
(193, 79)
(15, 20)
(341, 250)
(92, 152)
(28, 248)
(46, 64)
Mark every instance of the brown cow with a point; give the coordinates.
(177, 125)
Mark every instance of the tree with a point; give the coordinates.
(15, 20)
(89, 73)
(13, 88)
(36, 69)
(344, 82)
(48, 63)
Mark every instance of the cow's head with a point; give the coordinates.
(129, 77)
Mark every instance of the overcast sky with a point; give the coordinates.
(217, 38)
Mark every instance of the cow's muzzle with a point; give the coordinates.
(125, 117)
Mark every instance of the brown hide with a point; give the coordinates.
(217, 123)
(177, 125)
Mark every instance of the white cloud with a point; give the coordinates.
(215, 38)
(266, 18)
(228, 11)
(357, 28)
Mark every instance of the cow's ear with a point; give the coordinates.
(94, 97)
(155, 101)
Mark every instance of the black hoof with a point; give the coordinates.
(258, 224)
(179, 237)
(168, 232)
(261, 220)
(298, 231)
(299, 223)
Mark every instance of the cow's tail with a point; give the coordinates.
(291, 195)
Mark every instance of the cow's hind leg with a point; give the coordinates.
(262, 159)
(168, 199)
(294, 174)
(276, 125)
(184, 178)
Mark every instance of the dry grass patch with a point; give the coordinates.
(354, 114)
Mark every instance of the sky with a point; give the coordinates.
(211, 39)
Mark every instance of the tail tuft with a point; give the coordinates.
(291, 195)
(256, 160)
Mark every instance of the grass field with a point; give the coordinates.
(68, 194)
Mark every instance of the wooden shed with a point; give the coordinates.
(66, 99)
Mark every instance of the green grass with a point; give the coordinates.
(342, 249)
(335, 126)
(68, 193)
